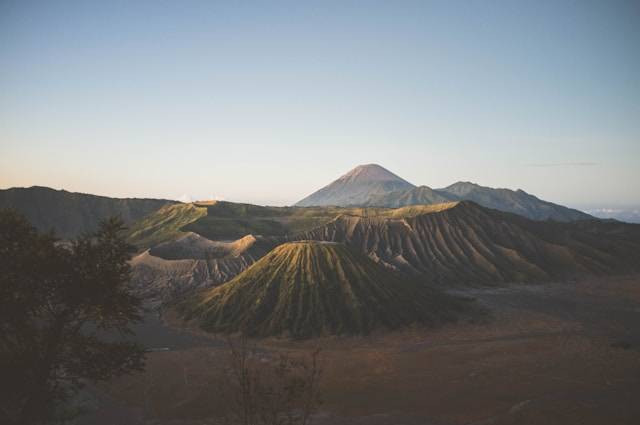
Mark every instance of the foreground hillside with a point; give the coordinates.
(309, 288)
(70, 214)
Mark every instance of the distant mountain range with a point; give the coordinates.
(374, 186)
(629, 214)
(70, 214)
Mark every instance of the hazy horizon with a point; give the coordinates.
(266, 103)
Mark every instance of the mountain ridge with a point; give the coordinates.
(513, 201)
(70, 214)
(363, 186)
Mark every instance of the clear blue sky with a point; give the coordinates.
(265, 102)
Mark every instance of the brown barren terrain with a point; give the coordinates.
(563, 353)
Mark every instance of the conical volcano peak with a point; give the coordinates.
(310, 288)
(371, 172)
(355, 187)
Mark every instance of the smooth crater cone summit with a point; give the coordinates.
(356, 187)
(309, 288)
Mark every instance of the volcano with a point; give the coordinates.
(309, 288)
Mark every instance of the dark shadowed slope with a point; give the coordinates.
(309, 288)
(517, 202)
(355, 187)
(69, 214)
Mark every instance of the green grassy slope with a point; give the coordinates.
(226, 221)
(303, 289)
(164, 225)
(229, 221)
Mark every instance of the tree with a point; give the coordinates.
(58, 301)
(284, 391)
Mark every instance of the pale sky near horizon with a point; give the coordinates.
(266, 102)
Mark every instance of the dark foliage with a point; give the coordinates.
(55, 301)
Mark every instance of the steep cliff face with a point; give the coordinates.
(159, 280)
(175, 268)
